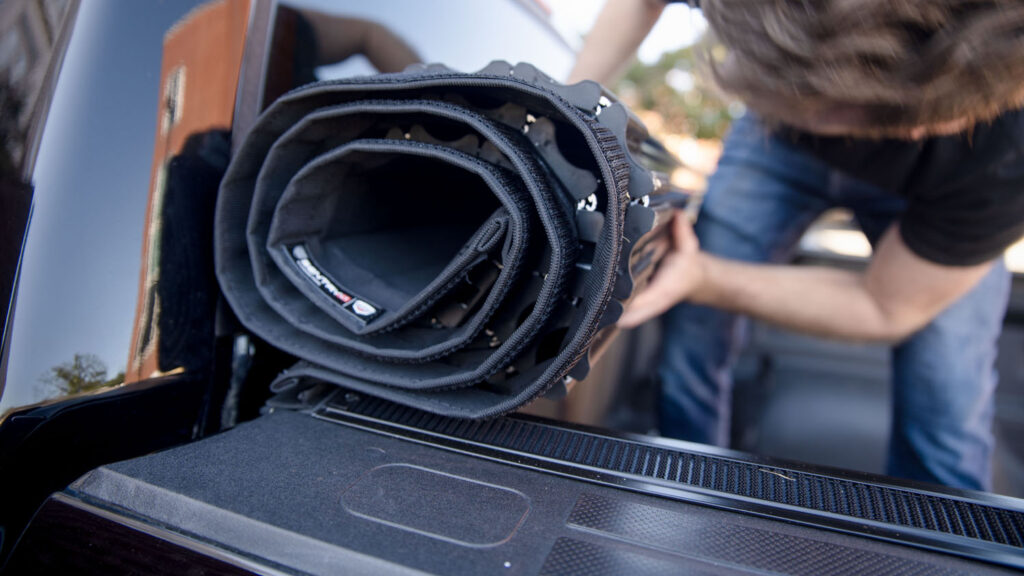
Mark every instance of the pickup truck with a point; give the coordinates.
(138, 434)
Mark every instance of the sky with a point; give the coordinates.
(678, 27)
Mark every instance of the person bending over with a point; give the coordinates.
(906, 113)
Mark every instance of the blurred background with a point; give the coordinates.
(797, 397)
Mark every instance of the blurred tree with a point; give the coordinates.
(680, 93)
(84, 373)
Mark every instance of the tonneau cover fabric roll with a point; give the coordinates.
(455, 242)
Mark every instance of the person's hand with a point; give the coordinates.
(680, 274)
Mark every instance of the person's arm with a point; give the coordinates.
(612, 42)
(339, 38)
(898, 293)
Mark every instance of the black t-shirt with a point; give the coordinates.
(965, 192)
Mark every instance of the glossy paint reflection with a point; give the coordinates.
(463, 34)
(33, 36)
(116, 272)
(175, 306)
(94, 189)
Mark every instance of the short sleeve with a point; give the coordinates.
(971, 219)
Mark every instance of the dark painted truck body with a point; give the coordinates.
(182, 462)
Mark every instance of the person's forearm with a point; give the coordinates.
(823, 301)
(896, 295)
(339, 38)
(611, 43)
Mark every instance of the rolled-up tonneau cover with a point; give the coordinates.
(455, 242)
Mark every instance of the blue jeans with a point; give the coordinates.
(762, 198)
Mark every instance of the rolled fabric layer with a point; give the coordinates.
(460, 243)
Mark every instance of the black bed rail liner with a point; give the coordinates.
(973, 524)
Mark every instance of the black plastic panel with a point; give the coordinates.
(67, 538)
(408, 497)
(571, 557)
(957, 522)
(671, 531)
(299, 494)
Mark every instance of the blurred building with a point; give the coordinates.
(202, 56)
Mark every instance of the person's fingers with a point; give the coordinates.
(683, 235)
(643, 310)
(664, 290)
(660, 295)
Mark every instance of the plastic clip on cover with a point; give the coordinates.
(453, 242)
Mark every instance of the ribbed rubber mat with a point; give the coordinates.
(813, 492)
(570, 557)
(741, 547)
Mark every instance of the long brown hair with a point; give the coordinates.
(871, 67)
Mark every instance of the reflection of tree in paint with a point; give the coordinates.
(83, 373)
